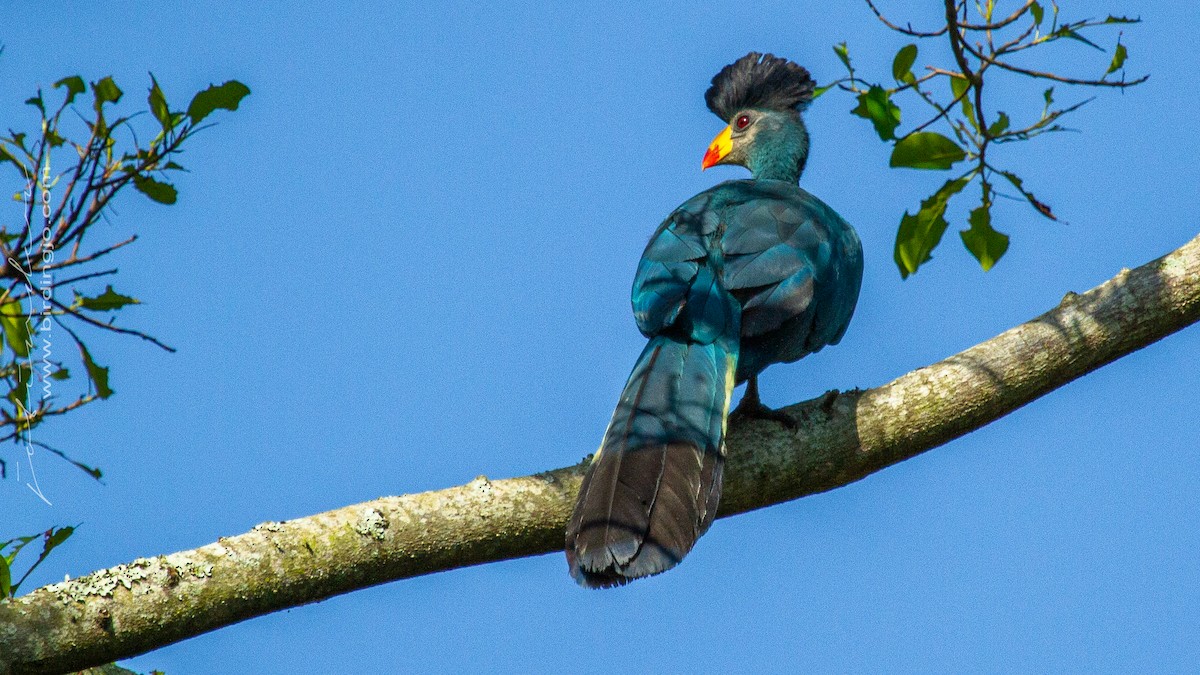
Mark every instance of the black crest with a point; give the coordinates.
(759, 81)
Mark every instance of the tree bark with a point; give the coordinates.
(151, 602)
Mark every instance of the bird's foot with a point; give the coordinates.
(752, 408)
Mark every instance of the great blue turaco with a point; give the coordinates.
(743, 275)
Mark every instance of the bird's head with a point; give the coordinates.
(760, 97)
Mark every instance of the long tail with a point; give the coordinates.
(653, 487)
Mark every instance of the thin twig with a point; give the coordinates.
(1000, 24)
(83, 277)
(33, 197)
(901, 29)
(109, 327)
(1004, 48)
(942, 112)
(992, 61)
(75, 260)
(65, 197)
(916, 82)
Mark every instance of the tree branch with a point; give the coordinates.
(148, 603)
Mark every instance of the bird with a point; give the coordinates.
(746, 274)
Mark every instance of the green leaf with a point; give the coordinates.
(1049, 96)
(1121, 19)
(903, 62)
(52, 539)
(21, 543)
(163, 193)
(16, 327)
(926, 150)
(56, 538)
(969, 112)
(108, 300)
(821, 90)
(843, 53)
(999, 126)
(1067, 32)
(5, 579)
(19, 394)
(60, 374)
(6, 156)
(36, 101)
(1118, 59)
(959, 86)
(986, 244)
(158, 104)
(53, 138)
(97, 374)
(919, 234)
(1038, 13)
(74, 85)
(227, 96)
(876, 105)
(105, 91)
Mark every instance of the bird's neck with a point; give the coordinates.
(782, 156)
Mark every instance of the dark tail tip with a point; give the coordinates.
(640, 512)
(603, 571)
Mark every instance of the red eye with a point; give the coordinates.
(742, 122)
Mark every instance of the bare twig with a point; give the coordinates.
(992, 61)
(999, 24)
(942, 111)
(109, 327)
(76, 260)
(83, 277)
(909, 30)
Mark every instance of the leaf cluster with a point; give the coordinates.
(959, 126)
(9, 550)
(48, 253)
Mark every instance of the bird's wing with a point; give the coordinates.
(780, 247)
(677, 287)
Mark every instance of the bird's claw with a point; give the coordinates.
(754, 409)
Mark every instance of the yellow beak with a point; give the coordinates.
(720, 146)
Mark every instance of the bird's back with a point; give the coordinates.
(792, 263)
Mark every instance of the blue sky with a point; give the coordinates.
(406, 262)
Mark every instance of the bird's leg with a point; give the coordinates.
(751, 407)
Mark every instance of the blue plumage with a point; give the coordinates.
(790, 262)
(741, 276)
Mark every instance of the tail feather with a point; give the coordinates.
(653, 488)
